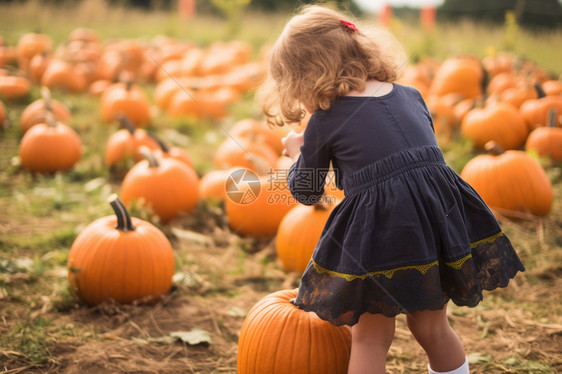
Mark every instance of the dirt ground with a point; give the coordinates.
(220, 283)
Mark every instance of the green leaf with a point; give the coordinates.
(194, 336)
(480, 358)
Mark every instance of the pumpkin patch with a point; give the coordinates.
(193, 268)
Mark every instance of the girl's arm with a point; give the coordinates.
(311, 157)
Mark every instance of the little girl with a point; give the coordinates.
(410, 234)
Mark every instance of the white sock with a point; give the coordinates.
(463, 369)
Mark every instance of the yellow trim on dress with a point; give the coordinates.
(490, 239)
(389, 273)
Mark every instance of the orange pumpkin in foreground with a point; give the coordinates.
(120, 258)
(279, 338)
(510, 181)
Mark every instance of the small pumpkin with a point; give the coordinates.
(125, 98)
(279, 338)
(546, 141)
(166, 186)
(60, 74)
(535, 112)
(37, 66)
(463, 76)
(247, 153)
(171, 151)
(256, 205)
(258, 131)
(32, 44)
(518, 95)
(50, 147)
(500, 122)
(3, 116)
(126, 142)
(552, 87)
(14, 88)
(213, 184)
(298, 234)
(501, 82)
(510, 181)
(36, 112)
(120, 258)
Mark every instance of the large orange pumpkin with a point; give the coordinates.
(279, 338)
(298, 234)
(166, 186)
(50, 147)
(546, 141)
(510, 181)
(120, 258)
(500, 122)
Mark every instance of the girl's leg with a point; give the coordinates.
(370, 341)
(441, 344)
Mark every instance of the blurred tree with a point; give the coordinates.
(528, 13)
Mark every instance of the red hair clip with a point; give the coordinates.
(349, 25)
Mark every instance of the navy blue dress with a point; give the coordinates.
(410, 234)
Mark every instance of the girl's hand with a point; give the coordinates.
(292, 142)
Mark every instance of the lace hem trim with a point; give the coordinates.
(389, 273)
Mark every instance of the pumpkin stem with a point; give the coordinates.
(552, 117)
(493, 148)
(126, 78)
(124, 222)
(47, 98)
(126, 123)
(149, 156)
(321, 205)
(539, 89)
(294, 301)
(50, 119)
(160, 142)
(484, 82)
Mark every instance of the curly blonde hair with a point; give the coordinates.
(317, 58)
